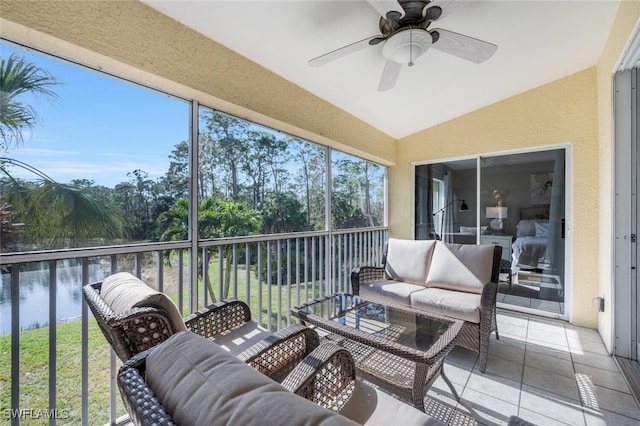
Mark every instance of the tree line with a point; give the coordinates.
(261, 183)
(250, 181)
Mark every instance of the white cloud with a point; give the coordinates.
(36, 152)
(103, 173)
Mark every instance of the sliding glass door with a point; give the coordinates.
(516, 201)
(446, 201)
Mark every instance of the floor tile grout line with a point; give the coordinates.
(464, 387)
(545, 390)
(575, 373)
(574, 353)
(524, 362)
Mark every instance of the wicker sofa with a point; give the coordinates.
(188, 380)
(455, 280)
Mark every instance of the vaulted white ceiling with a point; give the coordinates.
(538, 41)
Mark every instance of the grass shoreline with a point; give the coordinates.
(34, 374)
(34, 354)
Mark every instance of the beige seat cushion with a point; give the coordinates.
(456, 304)
(239, 339)
(462, 267)
(408, 260)
(199, 383)
(370, 406)
(389, 291)
(123, 291)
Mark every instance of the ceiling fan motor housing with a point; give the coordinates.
(407, 38)
(407, 45)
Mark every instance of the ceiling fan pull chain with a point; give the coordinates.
(410, 46)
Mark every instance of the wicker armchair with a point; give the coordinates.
(144, 326)
(188, 381)
(474, 335)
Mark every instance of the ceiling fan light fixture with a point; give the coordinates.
(406, 46)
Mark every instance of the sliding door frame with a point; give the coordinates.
(626, 214)
(568, 240)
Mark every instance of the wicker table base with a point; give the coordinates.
(408, 380)
(388, 360)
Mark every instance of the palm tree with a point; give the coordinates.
(8, 230)
(217, 218)
(53, 214)
(18, 77)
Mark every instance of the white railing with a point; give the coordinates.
(272, 273)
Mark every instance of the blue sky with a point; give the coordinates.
(100, 128)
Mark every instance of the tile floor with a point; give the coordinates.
(531, 290)
(546, 372)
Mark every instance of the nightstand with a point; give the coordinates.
(503, 241)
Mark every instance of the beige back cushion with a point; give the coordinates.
(123, 291)
(462, 267)
(199, 383)
(408, 260)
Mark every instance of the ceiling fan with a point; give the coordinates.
(405, 36)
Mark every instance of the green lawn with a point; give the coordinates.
(297, 293)
(34, 350)
(34, 373)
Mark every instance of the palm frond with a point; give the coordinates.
(56, 214)
(17, 77)
(61, 214)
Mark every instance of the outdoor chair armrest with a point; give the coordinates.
(275, 356)
(218, 318)
(97, 304)
(326, 376)
(363, 274)
(140, 401)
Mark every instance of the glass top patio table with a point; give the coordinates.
(400, 349)
(411, 333)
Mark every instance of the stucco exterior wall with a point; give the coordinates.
(627, 18)
(142, 44)
(562, 112)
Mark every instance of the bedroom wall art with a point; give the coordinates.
(541, 184)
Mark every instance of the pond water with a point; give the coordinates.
(34, 294)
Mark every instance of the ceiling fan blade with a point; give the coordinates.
(446, 8)
(389, 76)
(383, 7)
(343, 51)
(462, 46)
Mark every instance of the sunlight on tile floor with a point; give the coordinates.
(544, 371)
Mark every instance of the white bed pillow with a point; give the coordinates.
(468, 230)
(472, 229)
(526, 228)
(542, 229)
